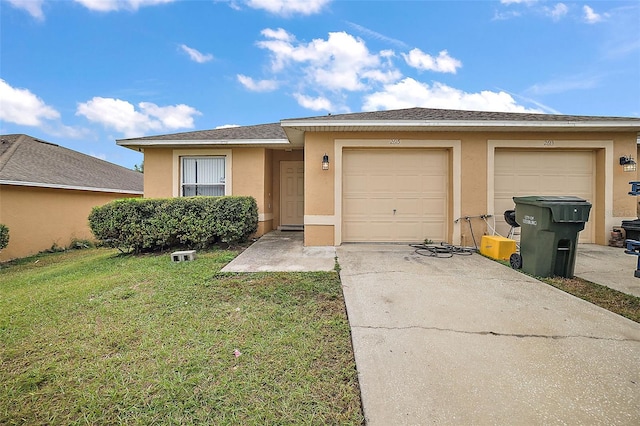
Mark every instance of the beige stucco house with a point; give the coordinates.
(47, 192)
(401, 175)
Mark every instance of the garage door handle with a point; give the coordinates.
(394, 211)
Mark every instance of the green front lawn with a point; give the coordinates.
(95, 337)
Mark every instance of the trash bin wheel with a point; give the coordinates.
(516, 261)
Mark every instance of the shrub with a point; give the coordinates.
(4, 236)
(157, 224)
(227, 211)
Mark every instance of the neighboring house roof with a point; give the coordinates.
(291, 131)
(27, 161)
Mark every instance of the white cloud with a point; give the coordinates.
(196, 55)
(315, 104)
(123, 117)
(423, 61)
(410, 93)
(227, 126)
(518, 1)
(289, 7)
(590, 16)
(542, 107)
(20, 106)
(536, 7)
(330, 68)
(257, 86)
(558, 11)
(114, 5)
(503, 16)
(33, 7)
(562, 85)
(279, 34)
(378, 36)
(341, 62)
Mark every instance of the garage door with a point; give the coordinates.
(394, 195)
(519, 173)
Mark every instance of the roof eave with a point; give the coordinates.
(135, 144)
(473, 124)
(295, 129)
(72, 187)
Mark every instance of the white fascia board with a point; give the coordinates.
(77, 188)
(201, 142)
(458, 123)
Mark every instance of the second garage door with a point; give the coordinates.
(395, 195)
(549, 172)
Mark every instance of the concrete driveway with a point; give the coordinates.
(465, 340)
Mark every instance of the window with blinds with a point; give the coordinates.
(203, 176)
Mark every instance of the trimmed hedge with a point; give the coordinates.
(143, 224)
(4, 236)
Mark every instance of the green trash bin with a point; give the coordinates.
(549, 233)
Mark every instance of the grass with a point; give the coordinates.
(95, 337)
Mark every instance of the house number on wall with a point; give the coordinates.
(548, 142)
(394, 142)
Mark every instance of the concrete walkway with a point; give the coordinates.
(466, 340)
(283, 251)
(608, 266)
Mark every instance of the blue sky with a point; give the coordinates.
(83, 73)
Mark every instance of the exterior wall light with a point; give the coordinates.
(628, 164)
(325, 162)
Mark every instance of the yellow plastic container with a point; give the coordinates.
(497, 247)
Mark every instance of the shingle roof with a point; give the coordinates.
(25, 160)
(291, 131)
(426, 114)
(256, 132)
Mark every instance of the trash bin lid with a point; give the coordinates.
(563, 208)
(544, 199)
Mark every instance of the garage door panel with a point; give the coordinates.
(409, 207)
(368, 207)
(355, 206)
(412, 182)
(434, 184)
(434, 207)
(408, 230)
(521, 173)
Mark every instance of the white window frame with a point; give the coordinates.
(201, 153)
(197, 186)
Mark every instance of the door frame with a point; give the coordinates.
(283, 199)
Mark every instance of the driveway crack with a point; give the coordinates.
(493, 333)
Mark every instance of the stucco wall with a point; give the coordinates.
(612, 204)
(251, 171)
(249, 168)
(319, 189)
(38, 218)
(637, 177)
(158, 177)
(624, 205)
